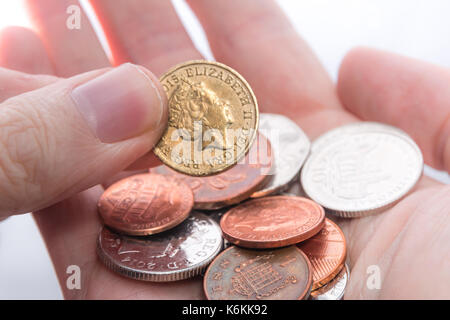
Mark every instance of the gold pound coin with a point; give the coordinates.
(213, 118)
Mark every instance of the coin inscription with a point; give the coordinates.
(176, 254)
(213, 118)
(241, 274)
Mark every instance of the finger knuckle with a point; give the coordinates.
(24, 140)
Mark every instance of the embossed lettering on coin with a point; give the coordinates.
(272, 222)
(326, 251)
(361, 169)
(231, 186)
(145, 204)
(240, 274)
(180, 253)
(213, 118)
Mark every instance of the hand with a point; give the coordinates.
(409, 242)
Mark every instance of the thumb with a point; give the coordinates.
(75, 133)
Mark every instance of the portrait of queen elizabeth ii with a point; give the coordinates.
(195, 109)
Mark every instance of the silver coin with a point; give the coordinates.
(179, 253)
(361, 169)
(355, 127)
(333, 290)
(217, 215)
(290, 147)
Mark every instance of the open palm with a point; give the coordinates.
(410, 242)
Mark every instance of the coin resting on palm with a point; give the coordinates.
(180, 253)
(145, 204)
(361, 168)
(272, 222)
(213, 118)
(326, 251)
(242, 274)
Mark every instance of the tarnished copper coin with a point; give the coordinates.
(180, 253)
(231, 186)
(145, 204)
(272, 222)
(241, 274)
(326, 252)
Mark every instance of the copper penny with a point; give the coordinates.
(326, 252)
(231, 186)
(242, 274)
(180, 253)
(145, 204)
(335, 289)
(272, 222)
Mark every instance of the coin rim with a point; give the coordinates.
(271, 244)
(266, 190)
(342, 294)
(223, 201)
(156, 149)
(324, 280)
(160, 276)
(307, 291)
(361, 127)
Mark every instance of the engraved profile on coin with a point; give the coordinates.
(240, 274)
(195, 108)
(213, 118)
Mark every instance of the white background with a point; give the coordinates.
(415, 28)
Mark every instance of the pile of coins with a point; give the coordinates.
(255, 226)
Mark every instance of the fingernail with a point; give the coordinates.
(121, 104)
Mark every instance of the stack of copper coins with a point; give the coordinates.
(260, 226)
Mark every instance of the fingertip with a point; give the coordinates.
(21, 49)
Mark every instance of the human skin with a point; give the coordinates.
(410, 242)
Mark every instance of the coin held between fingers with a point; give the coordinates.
(213, 118)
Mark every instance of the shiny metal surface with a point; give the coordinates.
(361, 169)
(290, 147)
(176, 254)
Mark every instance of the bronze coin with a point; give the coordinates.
(231, 186)
(145, 204)
(272, 222)
(242, 274)
(180, 253)
(326, 252)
